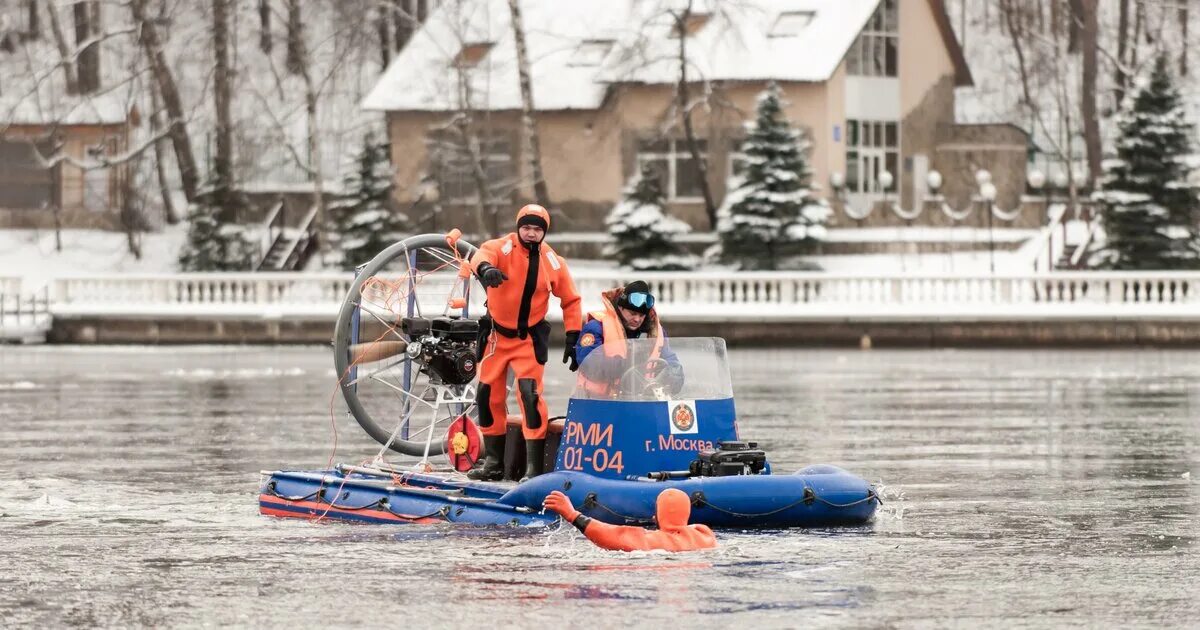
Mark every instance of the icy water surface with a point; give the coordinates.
(1044, 488)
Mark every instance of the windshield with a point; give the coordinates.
(681, 368)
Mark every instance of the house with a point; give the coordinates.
(870, 82)
(59, 160)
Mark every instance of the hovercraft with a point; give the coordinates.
(616, 449)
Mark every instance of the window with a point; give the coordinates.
(590, 52)
(693, 24)
(450, 164)
(791, 23)
(737, 159)
(471, 54)
(678, 173)
(875, 52)
(872, 146)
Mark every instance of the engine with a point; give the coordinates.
(445, 346)
(729, 458)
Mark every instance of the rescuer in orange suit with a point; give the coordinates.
(520, 272)
(672, 510)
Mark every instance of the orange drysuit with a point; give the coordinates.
(672, 510)
(520, 334)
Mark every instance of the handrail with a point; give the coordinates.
(301, 233)
(267, 239)
(1044, 243)
(1081, 249)
(20, 308)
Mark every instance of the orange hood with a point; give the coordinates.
(534, 210)
(673, 509)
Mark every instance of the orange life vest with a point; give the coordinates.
(614, 341)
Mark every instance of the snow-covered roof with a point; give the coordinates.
(578, 48)
(60, 109)
(740, 41)
(422, 76)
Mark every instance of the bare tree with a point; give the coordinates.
(295, 39)
(383, 30)
(65, 53)
(1138, 19)
(405, 23)
(265, 43)
(1183, 38)
(170, 216)
(311, 98)
(87, 29)
(222, 96)
(531, 145)
(165, 80)
(33, 22)
(683, 103)
(1075, 18)
(1120, 78)
(1011, 13)
(1091, 121)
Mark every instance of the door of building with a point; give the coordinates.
(864, 169)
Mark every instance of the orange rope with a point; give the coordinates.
(393, 293)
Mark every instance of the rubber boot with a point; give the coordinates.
(491, 467)
(535, 457)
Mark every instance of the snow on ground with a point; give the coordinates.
(31, 255)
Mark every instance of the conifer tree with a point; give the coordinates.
(643, 234)
(366, 223)
(770, 216)
(215, 241)
(1149, 211)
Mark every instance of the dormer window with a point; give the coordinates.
(471, 54)
(692, 24)
(591, 52)
(791, 23)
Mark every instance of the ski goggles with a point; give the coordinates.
(639, 300)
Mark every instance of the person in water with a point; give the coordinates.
(520, 272)
(628, 313)
(672, 510)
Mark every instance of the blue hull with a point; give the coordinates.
(814, 497)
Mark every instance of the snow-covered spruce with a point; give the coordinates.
(1149, 210)
(215, 241)
(770, 218)
(643, 235)
(365, 220)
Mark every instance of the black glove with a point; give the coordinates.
(569, 353)
(673, 378)
(490, 276)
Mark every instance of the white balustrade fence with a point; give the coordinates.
(10, 285)
(186, 293)
(721, 296)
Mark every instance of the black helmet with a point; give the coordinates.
(636, 297)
